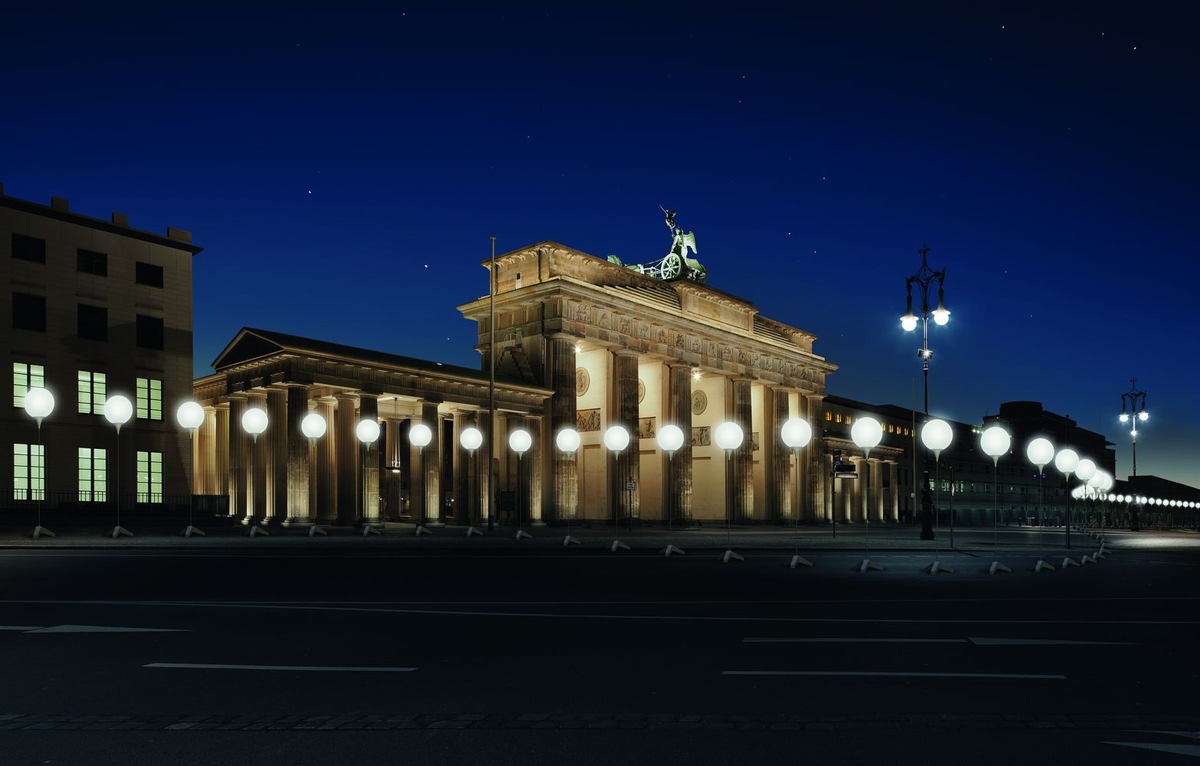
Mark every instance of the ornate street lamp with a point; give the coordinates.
(190, 415)
(729, 437)
(519, 441)
(796, 434)
(923, 279)
(568, 441)
(616, 439)
(118, 410)
(471, 438)
(936, 435)
(1135, 400)
(39, 403)
(867, 433)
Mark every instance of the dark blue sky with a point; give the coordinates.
(344, 167)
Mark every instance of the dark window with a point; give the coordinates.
(29, 312)
(28, 248)
(150, 332)
(93, 322)
(91, 262)
(149, 274)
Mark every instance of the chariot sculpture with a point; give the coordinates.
(676, 264)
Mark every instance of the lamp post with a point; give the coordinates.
(254, 422)
(867, 433)
(1135, 401)
(519, 441)
(190, 415)
(1067, 462)
(729, 437)
(670, 439)
(568, 441)
(923, 279)
(118, 410)
(1040, 451)
(470, 439)
(936, 435)
(796, 434)
(420, 435)
(313, 427)
(1084, 471)
(367, 432)
(616, 439)
(995, 441)
(39, 403)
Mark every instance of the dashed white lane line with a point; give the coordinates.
(305, 668)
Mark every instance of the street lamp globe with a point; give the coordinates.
(1085, 470)
(190, 415)
(39, 403)
(118, 410)
(254, 421)
(420, 435)
(796, 433)
(367, 430)
(936, 435)
(1066, 461)
(995, 441)
(568, 440)
(1040, 452)
(313, 426)
(471, 438)
(866, 433)
(616, 438)
(728, 436)
(670, 438)
(520, 441)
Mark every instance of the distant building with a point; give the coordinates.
(93, 308)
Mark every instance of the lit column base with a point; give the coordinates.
(40, 531)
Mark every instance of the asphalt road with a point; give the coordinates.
(336, 654)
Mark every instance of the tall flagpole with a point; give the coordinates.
(491, 387)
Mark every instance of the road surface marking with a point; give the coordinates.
(868, 674)
(1041, 642)
(854, 640)
(310, 668)
(104, 629)
(1192, 750)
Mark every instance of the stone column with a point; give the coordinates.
(533, 473)
(819, 464)
(239, 455)
(256, 503)
(277, 454)
(346, 447)
(742, 459)
(368, 409)
(565, 503)
(327, 473)
(627, 468)
(432, 465)
(298, 509)
(679, 467)
(779, 476)
(893, 478)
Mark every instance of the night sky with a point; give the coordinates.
(344, 167)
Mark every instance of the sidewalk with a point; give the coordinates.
(849, 537)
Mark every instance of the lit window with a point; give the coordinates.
(149, 399)
(838, 417)
(828, 416)
(149, 477)
(29, 472)
(93, 389)
(25, 377)
(93, 475)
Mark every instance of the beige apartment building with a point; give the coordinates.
(93, 308)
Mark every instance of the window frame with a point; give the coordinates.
(95, 406)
